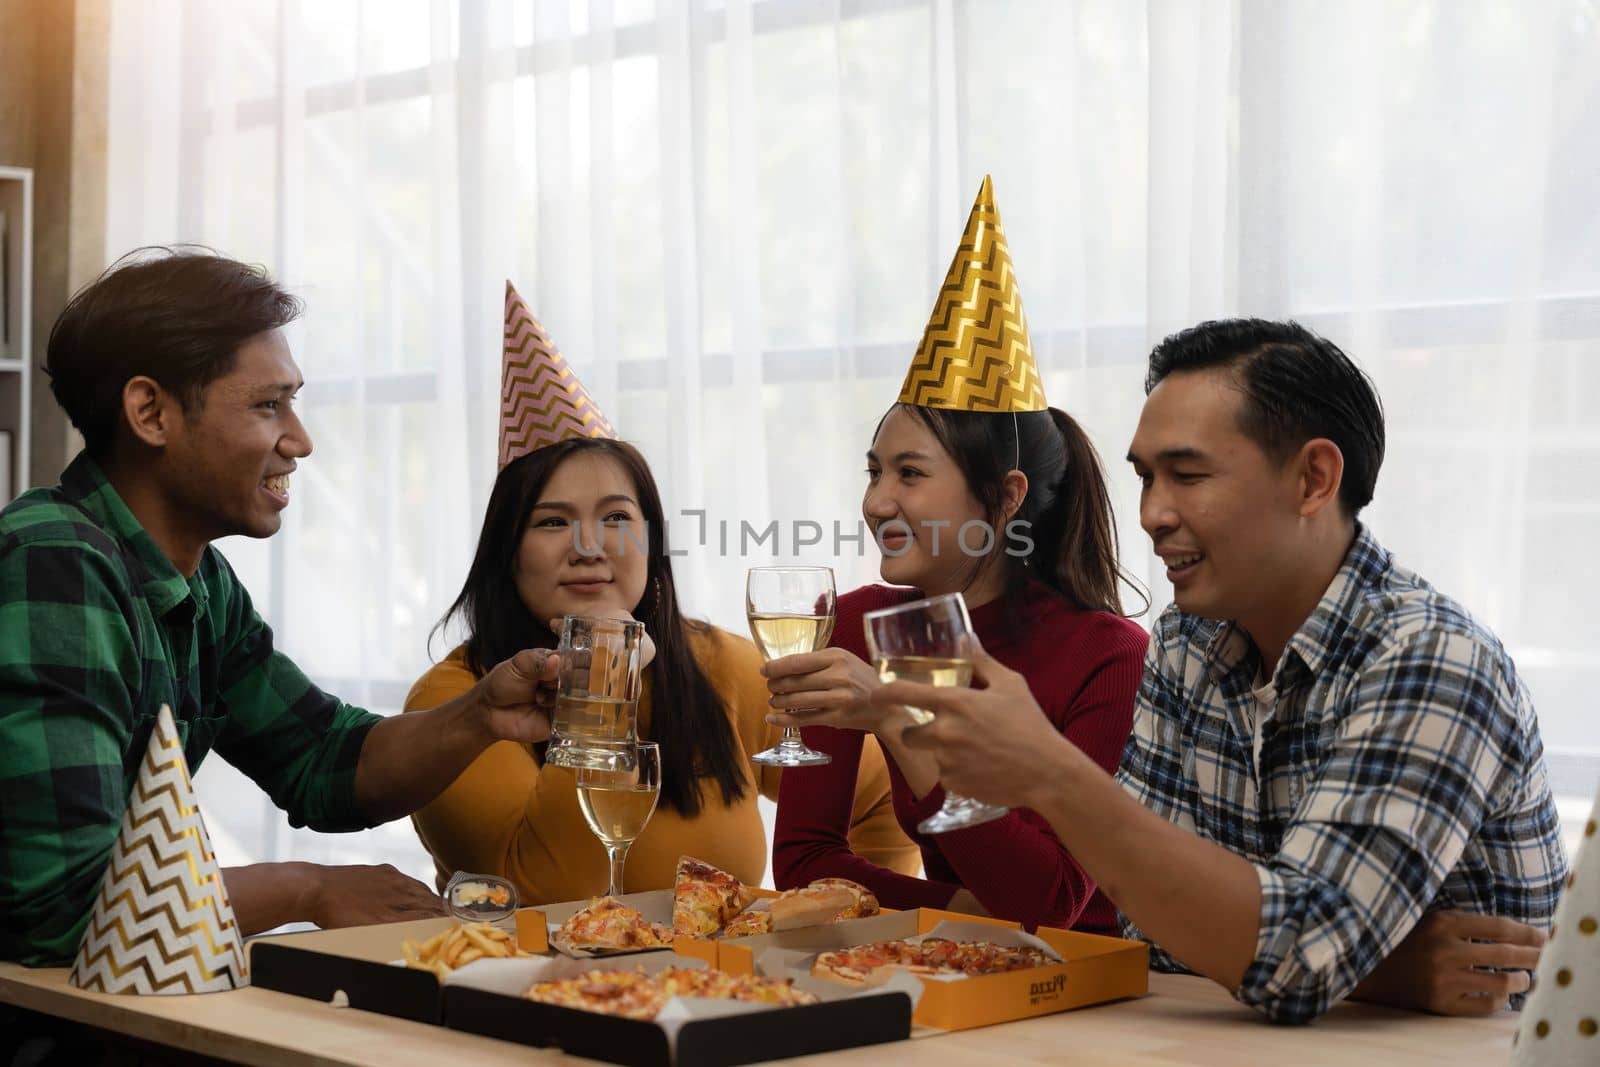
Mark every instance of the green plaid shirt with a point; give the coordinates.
(97, 630)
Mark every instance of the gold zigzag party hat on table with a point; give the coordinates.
(1560, 1024)
(161, 921)
(975, 354)
(541, 400)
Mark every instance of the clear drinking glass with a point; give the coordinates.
(790, 611)
(617, 803)
(597, 693)
(929, 641)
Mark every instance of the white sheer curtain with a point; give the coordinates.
(733, 217)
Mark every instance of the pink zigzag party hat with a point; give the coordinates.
(541, 399)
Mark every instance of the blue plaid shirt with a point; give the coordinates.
(1401, 771)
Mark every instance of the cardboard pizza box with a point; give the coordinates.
(486, 999)
(353, 967)
(1093, 970)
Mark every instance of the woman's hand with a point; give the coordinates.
(827, 688)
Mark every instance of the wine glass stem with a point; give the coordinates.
(791, 738)
(619, 856)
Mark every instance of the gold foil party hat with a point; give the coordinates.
(975, 354)
(541, 400)
(1560, 1024)
(161, 921)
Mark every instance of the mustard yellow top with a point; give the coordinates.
(506, 814)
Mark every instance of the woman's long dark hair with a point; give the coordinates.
(1067, 507)
(690, 720)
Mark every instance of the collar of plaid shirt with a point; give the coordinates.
(1230, 647)
(84, 483)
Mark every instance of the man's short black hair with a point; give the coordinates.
(1297, 386)
(178, 315)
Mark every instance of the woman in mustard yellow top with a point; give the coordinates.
(704, 699)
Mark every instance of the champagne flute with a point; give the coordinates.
(790, 611)
(929, 641)
(616, 803)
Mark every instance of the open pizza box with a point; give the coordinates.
(1093, 969)
(486, 998)
(353, 967)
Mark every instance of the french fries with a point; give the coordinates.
(459, 946)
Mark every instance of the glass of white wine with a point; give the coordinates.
(929, 641)
(790, 611)
(618, 802)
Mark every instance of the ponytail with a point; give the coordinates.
(1076, 550)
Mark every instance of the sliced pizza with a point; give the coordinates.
(720, 985)
(608, 924)
(865, 965)
(811, 905)
(748, 923)
(635, 995)
(864, 905)
(704, 898)
(630, 994)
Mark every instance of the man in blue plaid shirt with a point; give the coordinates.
(1335, 784)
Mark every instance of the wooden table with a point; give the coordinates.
(1183, 1021)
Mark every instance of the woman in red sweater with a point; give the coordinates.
(1043, 600)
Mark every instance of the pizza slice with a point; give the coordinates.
(607, 924)
(865, 904)
(630, 994)
(748, 923)
(870, 965)
(704, 898)
(867, 965)
(811, 905)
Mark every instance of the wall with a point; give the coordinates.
(53, 64)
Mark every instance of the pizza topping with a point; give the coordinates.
(639, 996)
(704, 898)
(607, 924)
(863, 903)
(749, 923)
(871, 964)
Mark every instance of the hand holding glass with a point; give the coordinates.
(617, 803)
(790, 611)
(929, 641)
(597, 695)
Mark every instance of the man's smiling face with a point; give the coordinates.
(1220, 512)
(229, 458)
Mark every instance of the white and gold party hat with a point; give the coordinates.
(976, 354)
(541, 399)
(1560, 1024)
(161, 921)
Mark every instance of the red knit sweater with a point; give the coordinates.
(1083, 668)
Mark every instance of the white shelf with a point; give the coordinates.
(16, 370)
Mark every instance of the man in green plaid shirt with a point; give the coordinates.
(113, 602)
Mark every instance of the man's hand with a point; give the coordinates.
(363, 896)
(992, 743)
(268, 895)
(519, 695)
(1436, 967)
(831, 687)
